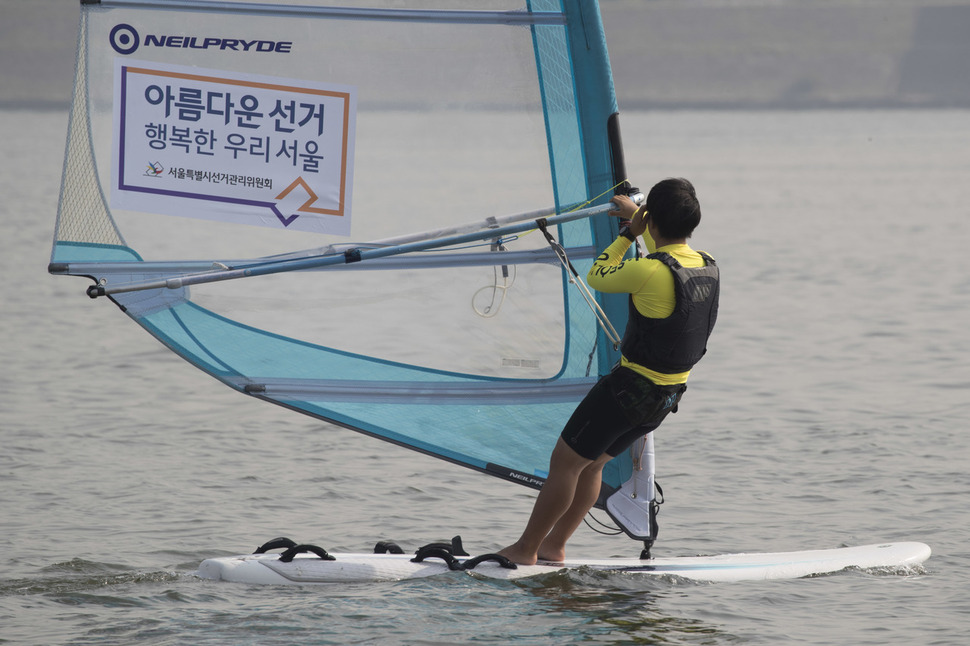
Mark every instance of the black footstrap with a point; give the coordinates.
(454, 547)
(281, 542)
(443, 551)
(435, 551)
(387, 547)
(288, 555)
(470, 564)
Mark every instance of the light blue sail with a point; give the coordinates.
(486, 419)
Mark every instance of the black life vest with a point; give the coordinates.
(674, 344)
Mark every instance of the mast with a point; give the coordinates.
(633, 505)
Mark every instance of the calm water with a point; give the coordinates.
(832, 410)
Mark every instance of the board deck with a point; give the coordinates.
(307, 569)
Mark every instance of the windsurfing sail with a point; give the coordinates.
(336, 209)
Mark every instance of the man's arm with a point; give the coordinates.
(612, 274)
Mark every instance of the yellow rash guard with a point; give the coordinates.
(650, 283)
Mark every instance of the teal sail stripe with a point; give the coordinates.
(594, 88)
(91, 252)
(588, 169)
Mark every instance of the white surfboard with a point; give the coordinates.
(308, 569)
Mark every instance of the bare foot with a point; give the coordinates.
(517, 555)
(552, 554)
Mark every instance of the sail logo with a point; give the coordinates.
(300, 190)
(233, 147)
(125, 40)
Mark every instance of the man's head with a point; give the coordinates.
(673, 208)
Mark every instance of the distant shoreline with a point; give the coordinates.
(62, 106)
(665, 54)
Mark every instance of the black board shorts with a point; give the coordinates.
(622, 407)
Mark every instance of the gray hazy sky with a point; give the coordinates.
(665, 53)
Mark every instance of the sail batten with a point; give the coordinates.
(511, 18)
(422, 392)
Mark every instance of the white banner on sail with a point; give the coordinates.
(233, 147)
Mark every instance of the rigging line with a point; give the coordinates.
(608, 530)
(577, 207)
(488, 312)
(601, 316)
(484, 243)
(492, 309)
(498, 245)
(596, 197)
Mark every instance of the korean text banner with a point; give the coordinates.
(233, 147)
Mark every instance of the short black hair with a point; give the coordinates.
(673, 207)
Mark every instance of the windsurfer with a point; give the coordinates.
(673, 306)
